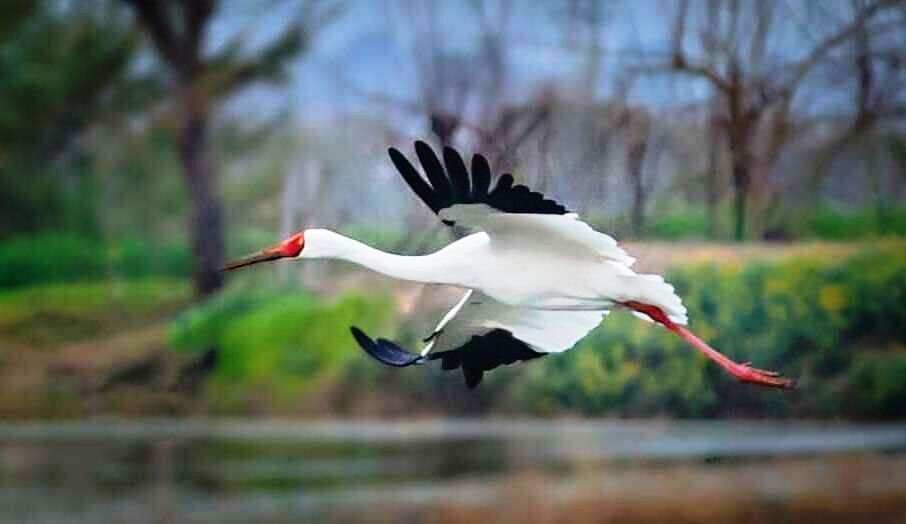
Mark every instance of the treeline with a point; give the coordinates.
(122, 133)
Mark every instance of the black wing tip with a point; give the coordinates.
(385, 351)
(361, 338)
(443, 189)
(356, 332)
(397, 157)
(426, 154)
(481, 354)
(448, 150)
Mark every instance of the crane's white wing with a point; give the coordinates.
(565, 233)
(543, 331)
(508, 212)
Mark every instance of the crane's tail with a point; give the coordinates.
(653, 290)
(743, 372)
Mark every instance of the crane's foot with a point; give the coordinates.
(744, 373)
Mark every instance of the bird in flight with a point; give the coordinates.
(536, 278)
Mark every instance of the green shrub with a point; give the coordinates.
(279, 339)
(200, 327)
(877, 384)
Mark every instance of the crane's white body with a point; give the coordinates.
(547, 279)
(536, 278)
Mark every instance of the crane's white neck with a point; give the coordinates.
(323, 243)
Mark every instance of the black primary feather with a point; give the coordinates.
(451, 183)
(437, 176)
(459, 175)
(415, 181)
(481, 178)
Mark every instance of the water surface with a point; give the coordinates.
(221, 470)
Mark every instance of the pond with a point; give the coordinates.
(288, 471)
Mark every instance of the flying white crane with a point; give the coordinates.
(537, 279)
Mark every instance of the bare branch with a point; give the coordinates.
(837, 39)
(152, 16)
(679, 33)
(700, 71)
(197, 13)
(763, 23)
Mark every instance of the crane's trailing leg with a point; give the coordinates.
(743, 372)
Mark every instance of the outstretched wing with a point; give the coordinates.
(480, 334)
(450, 183)
(508, 213)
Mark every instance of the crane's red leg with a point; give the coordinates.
(743, 372)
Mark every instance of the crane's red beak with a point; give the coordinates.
(289, 248)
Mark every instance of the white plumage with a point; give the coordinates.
(544, 331)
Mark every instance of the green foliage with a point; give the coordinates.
(279, 339)
(691, 223)
(203, 326)
(53, 257)
(48, 258)
(808, 317)
(58, 63)
(134, 258)
(827, 223)
(820, 223)
(877, 384)
(52, 313)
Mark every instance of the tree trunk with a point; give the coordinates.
(712, 192)
(739, 131)
(206, 216)
(741, 184)
(636, 159)
(712, 177)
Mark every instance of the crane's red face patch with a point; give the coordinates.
(292, 246)
(289, 248)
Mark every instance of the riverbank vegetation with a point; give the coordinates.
(831, 317)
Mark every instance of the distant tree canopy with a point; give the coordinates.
(58, 68)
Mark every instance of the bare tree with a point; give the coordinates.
(875, 62)
(178, 31)
(637, 127)
(468, 91)
(755, 89)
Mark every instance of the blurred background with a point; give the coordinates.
(752, 151)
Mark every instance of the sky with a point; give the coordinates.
(369, 50)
